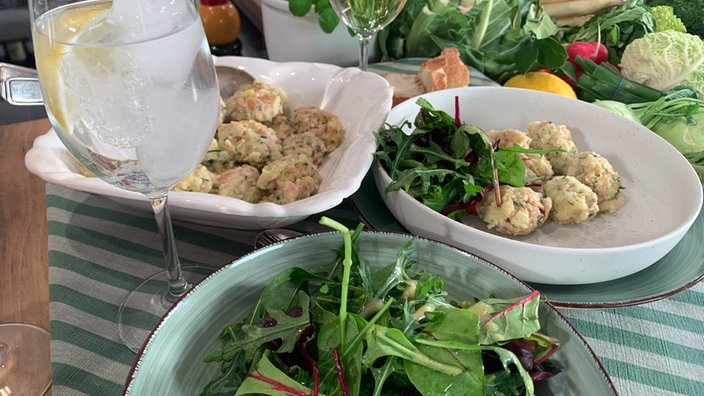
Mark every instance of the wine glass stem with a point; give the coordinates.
(177, 283)
(364, 50)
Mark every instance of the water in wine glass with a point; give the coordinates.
(131, 90)
(128, 100)
(366, 18)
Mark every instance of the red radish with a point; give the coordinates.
(592, 50)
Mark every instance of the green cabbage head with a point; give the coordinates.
(663, 60)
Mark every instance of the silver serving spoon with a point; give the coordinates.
(20, 86)
(231, 79)
(267, 237)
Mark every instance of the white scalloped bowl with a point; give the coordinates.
(663, 194)
(360, 99)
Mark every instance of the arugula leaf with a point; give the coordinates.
(387, 278)
(281, 291)
(381, 374)
(249, 337)
(388, 341)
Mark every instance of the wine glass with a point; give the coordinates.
(365, 18)
(24, 359)
(131, 91)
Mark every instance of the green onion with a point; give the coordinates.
(601, 82)
(680, 103)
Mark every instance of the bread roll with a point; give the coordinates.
(444, 71)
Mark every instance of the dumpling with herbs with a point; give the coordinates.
(520, 211)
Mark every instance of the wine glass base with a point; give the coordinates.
(25, 360)
(144, 307)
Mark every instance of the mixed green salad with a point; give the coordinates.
(448, 164)
(351, 329)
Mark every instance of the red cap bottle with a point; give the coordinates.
(221, 21)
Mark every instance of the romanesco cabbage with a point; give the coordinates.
(663, 60)
(691, 12)
(665, 19)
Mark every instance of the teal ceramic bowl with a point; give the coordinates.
(170, 363)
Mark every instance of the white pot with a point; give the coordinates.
(291, 38)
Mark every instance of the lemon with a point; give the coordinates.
(542, 81)
(64, 27)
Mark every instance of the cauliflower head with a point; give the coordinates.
(663, 60)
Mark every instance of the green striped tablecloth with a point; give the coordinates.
(99, 250)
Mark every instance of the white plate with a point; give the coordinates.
(663, 193)
(360, 99)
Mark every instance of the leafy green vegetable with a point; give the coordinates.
(683, 102)
(691, 12)
(267, 379)
(678, 117)
(665, 19)
(327, 17)
(687, 135)
(500, 38)
(317, 344)
(614, 27)
(663, 60)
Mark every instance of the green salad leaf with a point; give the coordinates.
(314, 333)
(267, 379)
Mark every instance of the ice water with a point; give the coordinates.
(130, 88)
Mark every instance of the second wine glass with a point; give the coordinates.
(365, 18)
